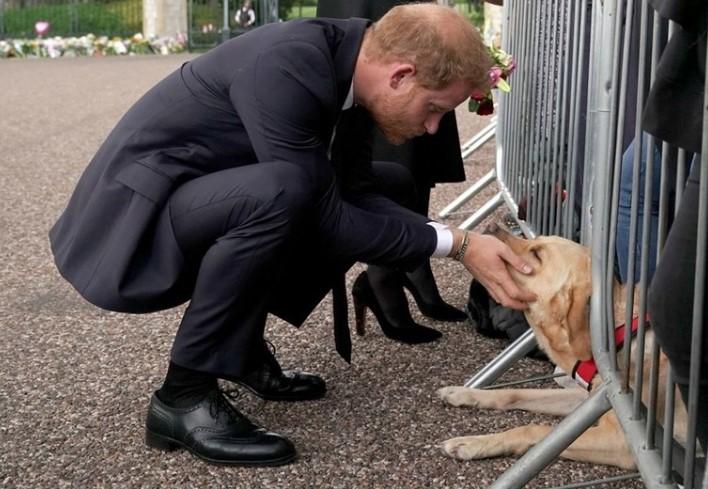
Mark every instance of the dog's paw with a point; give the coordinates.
(457, 395)
(465, 448)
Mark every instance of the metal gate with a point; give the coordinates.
(211, 22)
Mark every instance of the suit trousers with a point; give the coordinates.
(249, 238)
(234, 227)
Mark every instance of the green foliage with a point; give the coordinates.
(476, 16)
(301, 11)
(293, 9)
(473, 9)
(284, 7)
(202, 15)
(116, 18)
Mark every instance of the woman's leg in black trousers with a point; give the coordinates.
(385, 283)
(421, 281)
(671, 312)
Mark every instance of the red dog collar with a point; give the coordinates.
(585, 371)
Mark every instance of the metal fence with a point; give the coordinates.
(213, 21)
(71, 17)
(572, 160)
(628, 31)
(540, 136)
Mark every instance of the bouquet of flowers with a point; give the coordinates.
(90, 45)
(483, 102)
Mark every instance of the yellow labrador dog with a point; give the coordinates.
(559, 318)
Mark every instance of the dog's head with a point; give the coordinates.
(561, 280)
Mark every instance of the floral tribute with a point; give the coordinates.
(90, 45)
(483, 102)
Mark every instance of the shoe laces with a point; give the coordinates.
(270, 358)
(220, 403)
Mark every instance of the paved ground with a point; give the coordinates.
(75, 381)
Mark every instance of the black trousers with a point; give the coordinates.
(671, 298)
(249, 235)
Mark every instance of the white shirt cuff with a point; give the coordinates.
(444, 245)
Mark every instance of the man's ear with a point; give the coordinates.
(400, 73)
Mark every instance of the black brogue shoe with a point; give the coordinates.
(216, 432)
(272, 383)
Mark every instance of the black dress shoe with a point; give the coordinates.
(216, 432)
(272, 383)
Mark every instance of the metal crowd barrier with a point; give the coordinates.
(583, 73)
(540, 135)
(467, 149)
(618, 23)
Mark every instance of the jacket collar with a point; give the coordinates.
(346, 53)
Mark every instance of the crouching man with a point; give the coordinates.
(217, 188)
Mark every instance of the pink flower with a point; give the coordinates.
(481, 100)
(495, 74)
(41, 27)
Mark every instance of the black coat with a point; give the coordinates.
(674, 108)
(273, 94)
(431, 158)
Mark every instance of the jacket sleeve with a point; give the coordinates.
(287, 105)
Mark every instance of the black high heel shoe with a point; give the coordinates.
(438, 310)
(401, 327)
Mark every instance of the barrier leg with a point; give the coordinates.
(546, 452)
(467, 149)
(483, 212)
(501, 363)
(468, 194)
(479, 139)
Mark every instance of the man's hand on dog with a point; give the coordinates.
(487, 259)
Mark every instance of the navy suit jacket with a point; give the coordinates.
(273, 94)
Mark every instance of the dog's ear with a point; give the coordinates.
(579, 313)
(571, 306)
(578, 324)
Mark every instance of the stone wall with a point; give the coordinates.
(164, 18)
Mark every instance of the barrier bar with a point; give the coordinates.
(546, 452)
(496, 368)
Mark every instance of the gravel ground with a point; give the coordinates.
(75, 381)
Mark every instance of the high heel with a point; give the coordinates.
(438, 310)
(401, 328)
